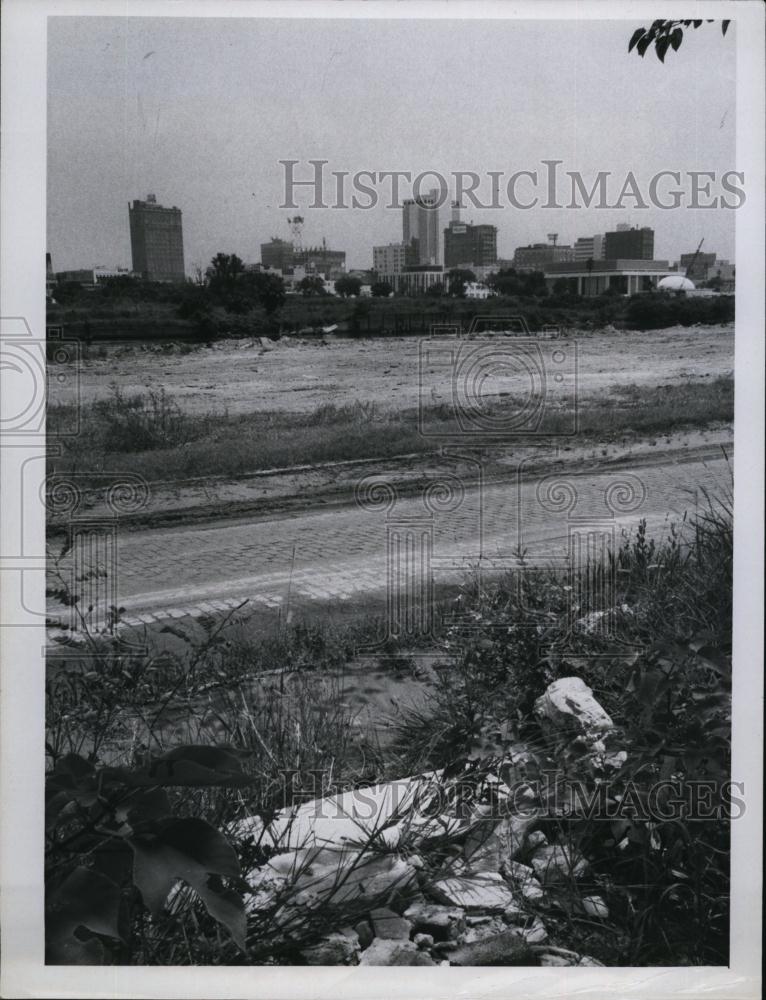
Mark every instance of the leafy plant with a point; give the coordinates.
(114, 848)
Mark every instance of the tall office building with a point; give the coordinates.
(589, 248)
(156, 241)
(629, 244)
(466, 245)
(420, 227)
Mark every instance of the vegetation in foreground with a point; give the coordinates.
(153, 760)
(156, 439)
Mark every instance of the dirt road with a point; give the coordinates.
(387, 545)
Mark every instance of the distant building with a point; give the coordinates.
(156, 241)
(589, 248)
(466, 245)
(538, 256)
(89, 277)
(283, 256)
(723, 273)
(629, 244)
(696, 265)
(84, 276)
(420, 227)
(415, 280)
(320, 260)
(477, 290)
(626, 277)
(392, 258)
(277, 255)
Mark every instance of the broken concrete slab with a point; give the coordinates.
(487, 892)
(387, 924)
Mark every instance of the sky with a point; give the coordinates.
(199, 111)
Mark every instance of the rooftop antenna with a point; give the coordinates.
(296, 231)
(553, 237)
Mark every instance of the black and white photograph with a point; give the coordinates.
(381, 583)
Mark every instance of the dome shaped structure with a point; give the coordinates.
(675, 283)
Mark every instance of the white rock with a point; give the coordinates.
(569, 702)
(523, 877)
(486, 891)
(557, 863)
(435, 919)
(595, 906)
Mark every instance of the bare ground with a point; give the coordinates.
(241, 376)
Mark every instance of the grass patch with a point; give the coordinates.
(153, 437)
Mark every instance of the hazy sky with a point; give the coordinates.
(200, 111)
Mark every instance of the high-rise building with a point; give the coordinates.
(589, 248)
(278, 254)
(466, 245)
(156, 241)
(392, 258)
(629, 244)
(420, 227)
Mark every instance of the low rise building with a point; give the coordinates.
(538, 256)
(415, 280)
(587, 278)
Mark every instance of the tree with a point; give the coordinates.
(348, 286)
(311, 285)
(264, 289)
(223, 272)
(457, 279)
(381, 289)
(665, 35)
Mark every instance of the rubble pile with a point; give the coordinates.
(413, 882)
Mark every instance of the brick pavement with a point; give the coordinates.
(338, 553)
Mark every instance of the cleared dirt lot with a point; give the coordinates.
(241, 376)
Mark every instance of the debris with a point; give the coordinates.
(441, 922)
(384, 951)
(387, 924)
(486, 891)
(556, 863)
(507, 948)
(335, 949)
(569, 703)
(595, 906)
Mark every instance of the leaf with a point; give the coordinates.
(676, 37)
(144, 807)
(196, 853)
(643, 45)
(638, 33)
(85, 899)
(725, 26)
(661, 48)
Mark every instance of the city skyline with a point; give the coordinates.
(143, 114)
